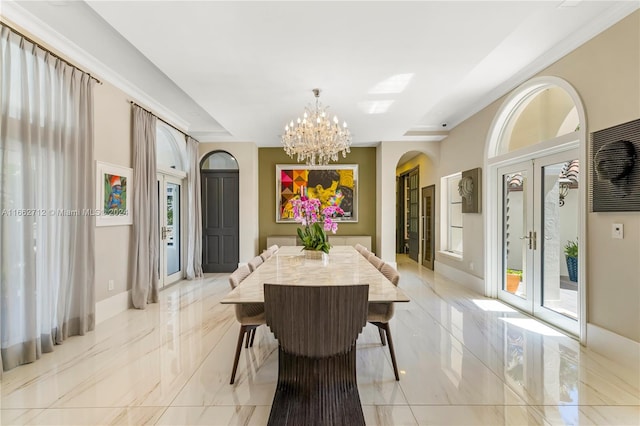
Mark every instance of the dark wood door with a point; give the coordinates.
(428, 225)
(414, 214)
(220, 223)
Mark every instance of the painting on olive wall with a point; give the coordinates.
(332, 185)
(616, 168)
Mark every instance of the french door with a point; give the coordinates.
(170, 211)
(539, 217)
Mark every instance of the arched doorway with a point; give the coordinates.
(415, 207)
(536, 204)
(219, 173)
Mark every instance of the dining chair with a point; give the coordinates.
(270, 251)
(359, 247)
(317, 328)
(375, 261)
(379, 314)
(254, 263)
(249, 315)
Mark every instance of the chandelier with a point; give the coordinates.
(315, 139)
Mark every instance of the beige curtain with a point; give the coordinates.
(47, 193)
(145, 244)
(194, 226)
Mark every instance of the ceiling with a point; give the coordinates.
(394, 71)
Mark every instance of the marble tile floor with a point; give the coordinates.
(463, 359)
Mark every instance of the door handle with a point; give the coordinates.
(532, 239)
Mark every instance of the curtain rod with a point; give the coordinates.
(35, 43)
(164, 121)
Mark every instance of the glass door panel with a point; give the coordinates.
(558, 298)
(517, 236)
(170, 215)
(172, 228)
(514, 228)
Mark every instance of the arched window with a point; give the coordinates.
(171, 152)
(541, 110)
(219, 160)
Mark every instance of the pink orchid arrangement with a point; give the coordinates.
(308, 212)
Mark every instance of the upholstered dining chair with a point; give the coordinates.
(316, 328)
(359, 248)
(254, 263)
(249, 315)
(375, 261)
(270, 251)
(380, 314)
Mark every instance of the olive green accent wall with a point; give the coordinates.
(365, 158)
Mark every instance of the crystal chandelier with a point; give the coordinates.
(315, 139)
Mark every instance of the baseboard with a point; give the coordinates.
(471, 282)
(624, 352)
(112, 306)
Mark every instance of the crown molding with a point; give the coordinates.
(40, 30)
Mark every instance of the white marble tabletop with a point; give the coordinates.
(343, 266)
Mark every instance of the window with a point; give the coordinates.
(451, 235)
(171, 150)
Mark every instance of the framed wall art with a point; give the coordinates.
(470, 189)
(332, 185)
(113, 194)
(615, 168)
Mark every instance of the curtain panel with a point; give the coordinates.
(194, 226)
(47, 199)
(145, 241)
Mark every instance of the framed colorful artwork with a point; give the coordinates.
(332, 185)
(113, 194)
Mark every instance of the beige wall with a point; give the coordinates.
(606, 74)
(112, 144)
(365, 158)
(462, 150)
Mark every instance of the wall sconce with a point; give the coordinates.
(563, 190)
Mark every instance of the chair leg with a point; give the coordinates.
(391, 350)
(243, 330)
(253, 335)
(382, 339)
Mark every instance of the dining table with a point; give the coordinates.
(343, 265)
(314, 389)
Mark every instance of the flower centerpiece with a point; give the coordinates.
(316, 221)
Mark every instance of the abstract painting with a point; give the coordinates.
(332, 185)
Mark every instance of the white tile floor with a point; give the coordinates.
(464, 360)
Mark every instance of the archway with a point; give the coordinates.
(220, 184)
(388, 157)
